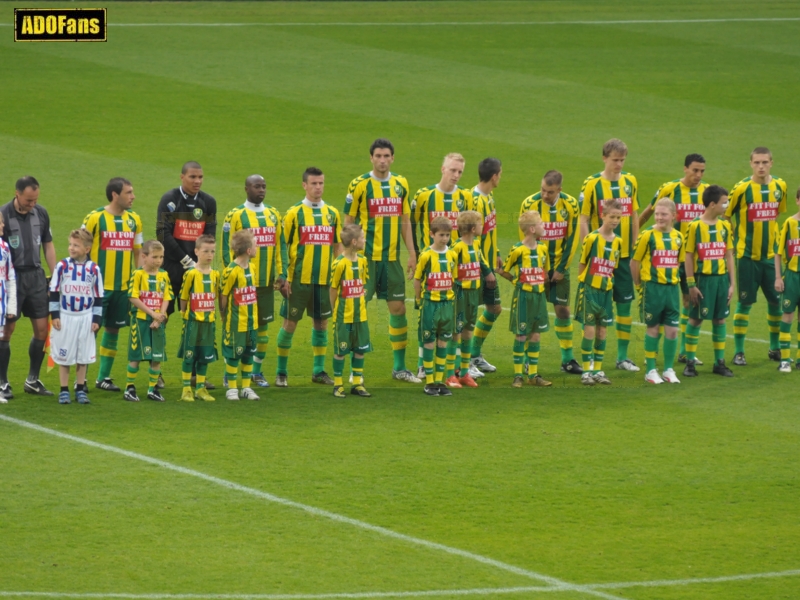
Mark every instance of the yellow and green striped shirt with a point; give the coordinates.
(601, 258)
(560, 227)
(688, 202)
(151, 289)
(431, 202)
(789, 244)
(380, 207)
(265, 223)
(311, 235)
(349, 278)
(200, 290)
(484, 204)
(437, 272)
(239, 285)
(529, 266)
(471, 264)
(115, 238)
(596, 189)
(660, 255)
(708, 244)
(753, 208)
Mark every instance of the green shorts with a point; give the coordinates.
(714, 304)
(199, 342)
(467, 303)
(528, 313)
(593, 306)
(753, 274)
(660, 304)
(238, 344)
(351, 337)
(437, 320)
(386, 279)
(491, 297)
(145, 343)
(623, 282)
(265, 297)
(791, 291)
(116, 309)
(310, 298)
(558, 294)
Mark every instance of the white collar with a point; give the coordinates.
(254, 207)
(310, 204)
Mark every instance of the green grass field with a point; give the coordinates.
(628, 492)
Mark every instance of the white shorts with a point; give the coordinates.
(74, 343)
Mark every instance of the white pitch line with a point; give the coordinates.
(462, 23)
(416, 594)
(319, 512)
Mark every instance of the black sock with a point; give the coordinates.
(36, 353)
(5, 358)
(65, 388)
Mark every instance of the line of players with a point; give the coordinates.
(295, 255)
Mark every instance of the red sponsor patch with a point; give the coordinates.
(203, 302)
(762, 211)
(352, 288)
(469, 271)
(264, 236)
(793, 248)
(118, 241)
(665, 259)
(245, 295)
(531, 275)
(316, 235)
(711, 250)
(626, 203)
(385, 207)
(490, 222)
(152, 300)
(601, 267)
(440, 282)
(450, 214)
(554, 230)
(689, 212)
(188, 231)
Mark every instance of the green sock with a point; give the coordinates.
(200, 380)
(624, 321)
(132, 372)
(599, 354)
(741, 320)
(284, 346)
(786, 341)
(692, 337)
(440, 360)
(519, 356)
(670, 349)
(338, 369)
(357, 366)
(650, 352)
(718, 338)
(427, 360)
(564, 335)
(186, 371)
(319, 346)
(532, 352)
(684, 320)
(152, 378)
(482, 329)
(398, 336)
(451, 359)
(262, 342)
(774, 315)
(586, 353)
(108, 352)
(466, 353)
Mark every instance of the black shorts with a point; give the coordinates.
(175, 272)
(32, 294)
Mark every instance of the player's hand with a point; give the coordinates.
(730, 294)
(417, 303)
(499, 266)
(491, 281)
(95, 327)
(155, 324)
(287, 286)
(779, 285)
(56, 323)
(695, 295)
(557, 276)
(278, 283)
(412, 266)
(188, 263)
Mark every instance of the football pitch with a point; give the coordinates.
(629, 492)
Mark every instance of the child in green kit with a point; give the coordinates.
(788, 284)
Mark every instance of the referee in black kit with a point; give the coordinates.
(27, 232)
(184, 214)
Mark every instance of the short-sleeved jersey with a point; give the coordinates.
(349, 278)
(199, 291)
(688, 202)
(380, 207)
(660, 255)
(79, 286)
(470, 264)
(151, 289)
(625, 190)
(529, 266)
(708, 244)
(484, 204)
(753, 209)
(437, 272)
(601, 258)
(115, 238)
(789, 244)
(311, 234)
(265, 223)
(239, 285)
(430, 202)
(560, 227)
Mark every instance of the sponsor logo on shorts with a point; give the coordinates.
(787, 303)
(704, 311)
(562, 299)
(523, 326)
(189, 354)
(119, 323)
(211, 357)
(648, 316)
(63, 352)
(343, 345)
(239, 349)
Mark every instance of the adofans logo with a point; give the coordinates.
(60, 25)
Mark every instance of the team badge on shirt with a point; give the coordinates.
(131, 223)
(273, 218)
(197, 213)
(628, 189)
(460, 204)
(398, 190)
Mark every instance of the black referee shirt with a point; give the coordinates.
(25, 235)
